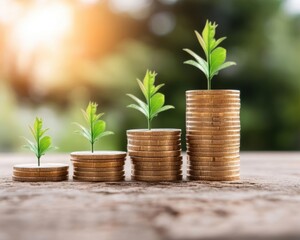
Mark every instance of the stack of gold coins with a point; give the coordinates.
(46, 172)
(155, 154)
(100, 166)
(213, 135)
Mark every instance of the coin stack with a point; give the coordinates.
(100, 166)
(213, 135)
(48, 172)
(155, 154)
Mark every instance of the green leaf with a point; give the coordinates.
(157, 101)
(84, 132)
(164, 108)
(202, 43)
(195, 64)
(99, 127)
(225, 65)
(134, 106)
(139, 102)
(142, 87)
(218, 57)
(45, 144)
(107, 133)
(201, 61)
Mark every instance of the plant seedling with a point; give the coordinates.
(96, 127)
(42, 143)
(154, 100)
(215, 56)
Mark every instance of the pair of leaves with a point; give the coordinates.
(96, 127)
(42, 143)
(154, 100)
(215, 55)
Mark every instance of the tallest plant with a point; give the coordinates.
(214, 54)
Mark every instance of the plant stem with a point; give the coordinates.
(38, 161)
(208, 84)
(92, 147)
(149, 124)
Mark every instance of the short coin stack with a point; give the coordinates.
(155, 154)
(100, 166)
(213, 135)
(46, 172)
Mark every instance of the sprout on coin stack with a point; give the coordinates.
(212, 117)
(155, 153)
(97, 166)
(40, 172)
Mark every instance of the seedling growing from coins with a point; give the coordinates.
(154, 100)
(215, 55)
(96, 127)
(42, 143)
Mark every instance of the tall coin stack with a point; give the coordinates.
(47, 172)
(155, 154)
(213, 135)
(100, 166)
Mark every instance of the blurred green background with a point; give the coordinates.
(55, 56)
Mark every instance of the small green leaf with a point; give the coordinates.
(215, 55)
(96, 127)
(154, 99)
(156, 103)
(104, 134)
(45, 143)
(164, 108)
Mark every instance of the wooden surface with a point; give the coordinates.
(265, 204)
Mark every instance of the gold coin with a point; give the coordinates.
(44, 167)
(154, 142)
(213, 154)
(153, 154)
(212, 146)
(155, 173)
(194, 127)
(98, 155)
(213, 149)
(98, 165)
(215, 119)
(40, 179)
(153, 148)
(97, 169)
(213, 136)
(160, 138)
(200, 105)
(141, 167)
(212, 92)
(205, 178)
(99, 174)
(201, 122)
(99, 179)
(156, 159)
(157, 164)
(224, 162)
(191, 109)
(154, 132)
(98, 161)
(201, 114)
(201, 142)
(227, 173)
(156, 178)
(40, 174)
(214, 158)
(214, 168)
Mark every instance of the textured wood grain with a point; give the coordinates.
(265, 204)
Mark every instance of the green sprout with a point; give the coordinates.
(96, 127)
(154, 100)
(42, 143)
(215, 56)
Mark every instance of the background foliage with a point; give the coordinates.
(109, 44)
